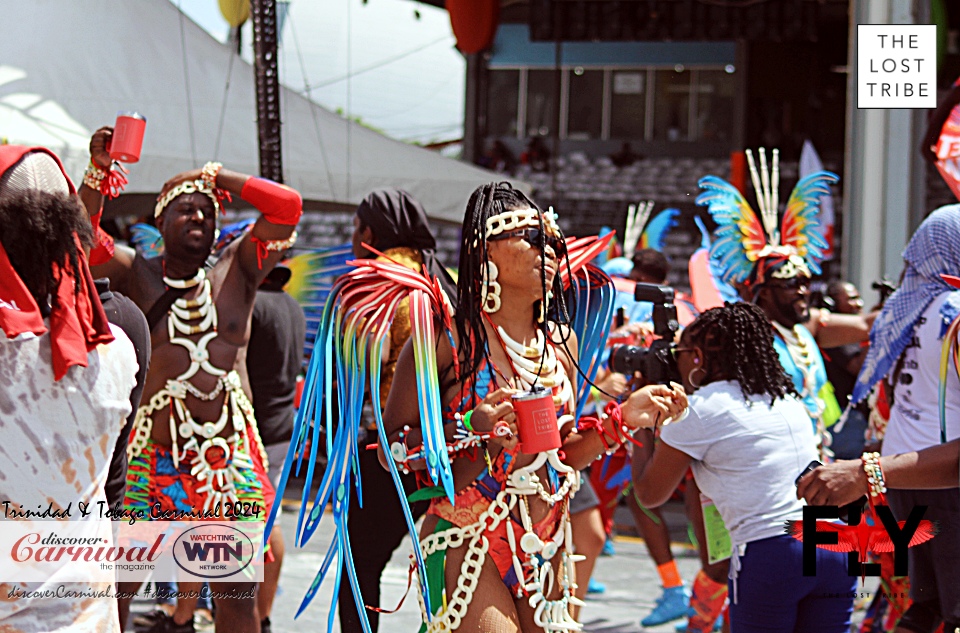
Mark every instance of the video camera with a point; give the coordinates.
(655, 363)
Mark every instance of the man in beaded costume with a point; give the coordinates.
(771, 261)
(195, 450)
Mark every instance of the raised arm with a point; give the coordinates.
(107, 259)
(274, 231)
(834, 330)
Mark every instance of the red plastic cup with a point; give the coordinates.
(127, 137)
(536, 421)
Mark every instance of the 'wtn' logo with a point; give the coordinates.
(220, 551)
(862, 535)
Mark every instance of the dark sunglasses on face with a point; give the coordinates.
(532, 237)
(794, 283)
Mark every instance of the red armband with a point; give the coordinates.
(103, 247)
(278, 203)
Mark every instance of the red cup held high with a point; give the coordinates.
(127, 137)
(536, 420)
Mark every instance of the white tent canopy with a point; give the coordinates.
(67, 67)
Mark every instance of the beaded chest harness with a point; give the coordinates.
(531, 556)
(219, 462)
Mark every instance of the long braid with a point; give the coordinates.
(486, 202)
(738, 341)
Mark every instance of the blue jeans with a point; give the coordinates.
(773, 595)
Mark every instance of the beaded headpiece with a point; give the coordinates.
(750, 248)
(520, 218)
(186, 187)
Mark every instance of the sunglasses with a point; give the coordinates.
(794, 283)
(675, 351)
(532, 237)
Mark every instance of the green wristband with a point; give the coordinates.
(466, 420)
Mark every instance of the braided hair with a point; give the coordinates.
(738, 340)
(488, 201)
(37, 231)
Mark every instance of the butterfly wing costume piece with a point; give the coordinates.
(746, 244)
(312, 276)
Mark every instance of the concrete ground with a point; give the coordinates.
(630, 577)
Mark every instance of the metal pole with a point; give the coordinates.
(268, 87)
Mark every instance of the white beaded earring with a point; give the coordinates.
(490, 287)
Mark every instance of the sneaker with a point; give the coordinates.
(147, 620)
(165, 624)
(672, 605)
(265, 626)
(608, 549)
(595, 587)
(682, 627)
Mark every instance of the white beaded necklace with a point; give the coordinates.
(186, 283)
(537, 363)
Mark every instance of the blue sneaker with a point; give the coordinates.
(608, 549)
(596, 587)
(672, 605)
(682, 627)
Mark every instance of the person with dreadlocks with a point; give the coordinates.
(747, 437)
(66, 376)
(195, 449)
(498, 551)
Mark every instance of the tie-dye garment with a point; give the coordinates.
(57, 440)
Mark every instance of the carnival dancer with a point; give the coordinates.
(511, 256)
(771, 262)
(394, 223)
(499, 553)
(747, 438)
(913, 348)
(195, 446)
(66, 380)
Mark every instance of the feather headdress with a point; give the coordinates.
(642, 231)
(749, 246)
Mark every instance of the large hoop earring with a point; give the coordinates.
(691, 381)
(490, 287)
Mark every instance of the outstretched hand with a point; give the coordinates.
(99, 146)
(654, 404)
(835, 484)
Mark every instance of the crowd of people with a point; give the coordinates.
(489, 394)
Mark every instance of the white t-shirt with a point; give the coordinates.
(747, 455)
(915, 415)
(57, 441)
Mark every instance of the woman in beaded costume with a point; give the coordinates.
(498, 552)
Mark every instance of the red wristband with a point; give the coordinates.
(278, 203)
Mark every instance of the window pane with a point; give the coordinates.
(715, 95)
(586, 103)
(671, 110)
(628, 104)
(502, 102)
(542, 88)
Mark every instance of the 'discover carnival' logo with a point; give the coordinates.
(877, 532)
(214, 551)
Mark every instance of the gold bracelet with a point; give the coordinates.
(208, 175)
(93, 176)
(871, 466)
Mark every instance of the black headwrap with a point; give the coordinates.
(397, 219)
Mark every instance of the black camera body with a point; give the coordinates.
(655, 363)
